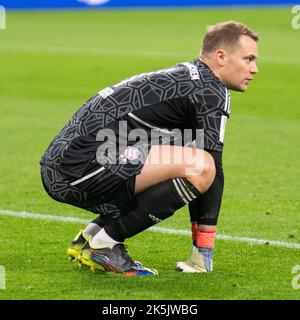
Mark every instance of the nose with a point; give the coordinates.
(254, 68)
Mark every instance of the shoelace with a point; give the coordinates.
(130, 265)
(122, 248)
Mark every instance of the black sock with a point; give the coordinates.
(102, 220)
(152, 206)
(206, 209)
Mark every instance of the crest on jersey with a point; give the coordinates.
(131, 153)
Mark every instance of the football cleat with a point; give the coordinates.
(76, 245)
(117, 260)
(199, 261)
(85, 258)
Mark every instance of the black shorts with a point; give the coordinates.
(100, 191)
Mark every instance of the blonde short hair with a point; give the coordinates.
(225, 34)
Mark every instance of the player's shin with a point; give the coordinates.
(152, 206)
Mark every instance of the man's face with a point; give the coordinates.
(240, 64)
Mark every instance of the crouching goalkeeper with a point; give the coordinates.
(119, 156)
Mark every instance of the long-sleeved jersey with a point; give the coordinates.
(186, 96)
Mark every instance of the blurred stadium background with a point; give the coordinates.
(52, 61)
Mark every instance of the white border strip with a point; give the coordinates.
(74, 183)
(40, 216)
(146, 124)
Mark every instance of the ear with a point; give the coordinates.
(221, 56)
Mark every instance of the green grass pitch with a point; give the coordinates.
(52, 62)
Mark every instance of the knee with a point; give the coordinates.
(205, 175)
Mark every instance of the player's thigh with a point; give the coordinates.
(169, 162)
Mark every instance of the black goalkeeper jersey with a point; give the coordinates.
(186, 96)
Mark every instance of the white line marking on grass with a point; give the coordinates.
(28, 48)
(40, 216)
(154, 229)
(85, 51)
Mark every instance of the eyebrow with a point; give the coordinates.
(252, 57)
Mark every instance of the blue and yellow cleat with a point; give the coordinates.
(199, 261)
(76, 245)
